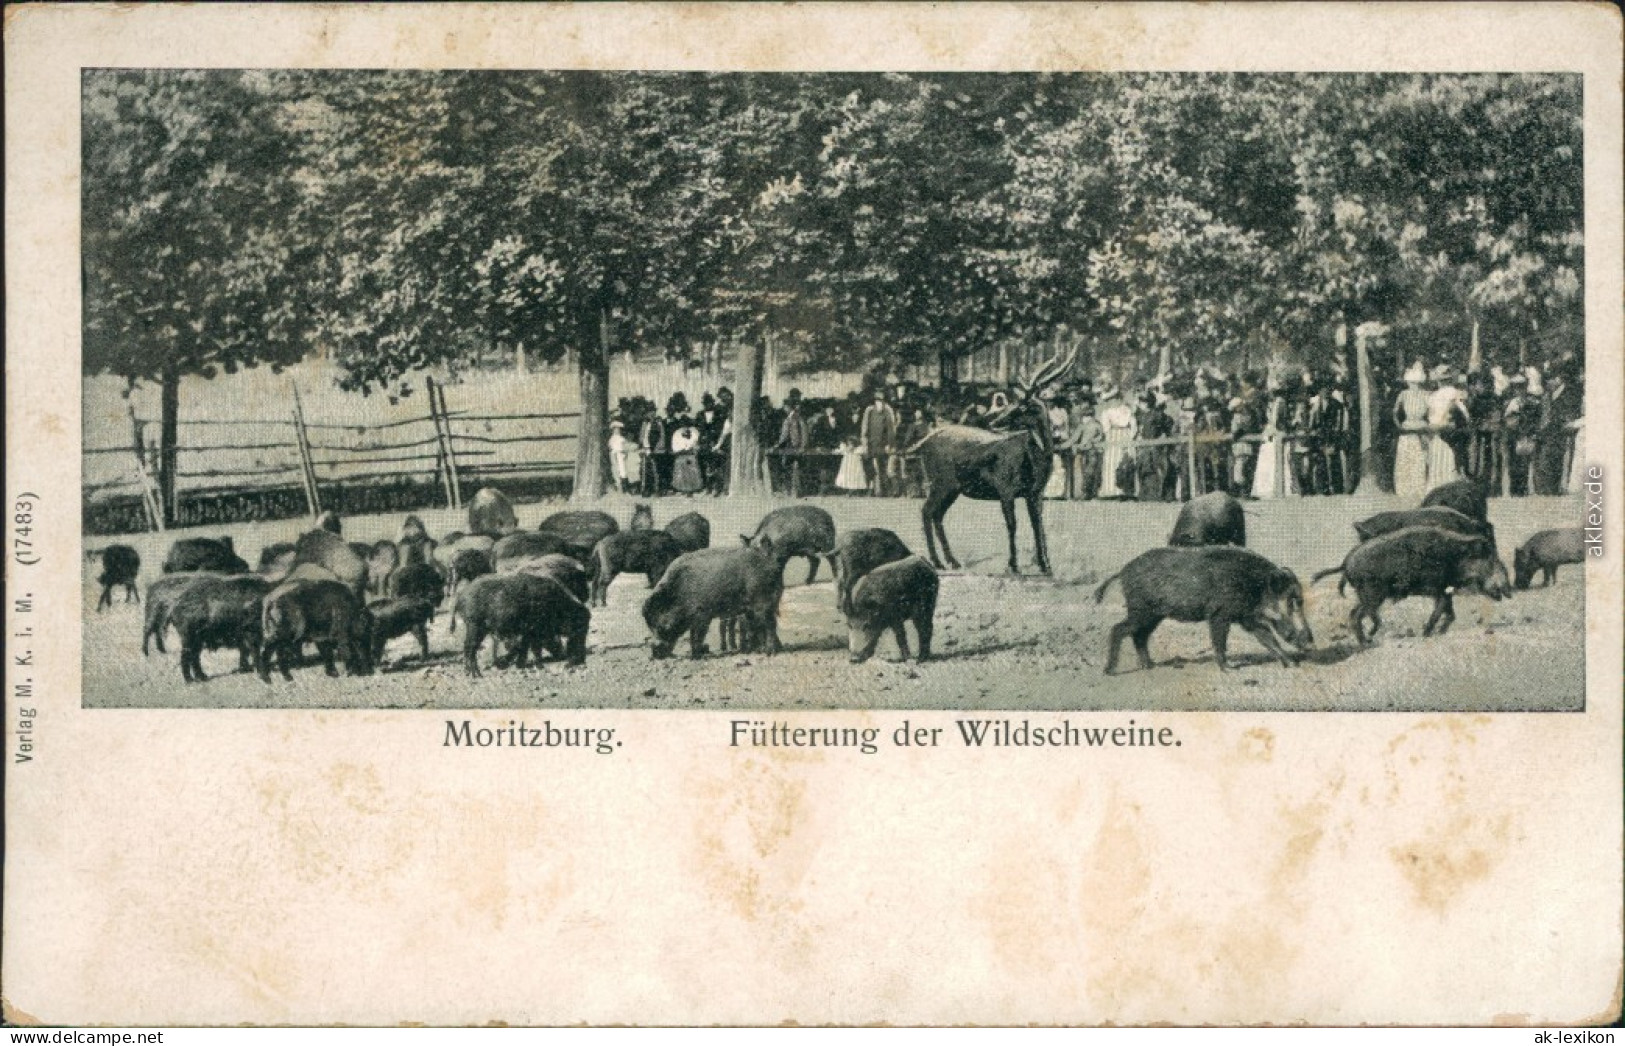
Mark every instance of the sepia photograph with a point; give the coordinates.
(729, 390)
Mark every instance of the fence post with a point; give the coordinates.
(439, 451)
(149, 493)
(442, 451)
(307, 465)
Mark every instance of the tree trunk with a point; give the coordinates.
(1004, 363)
(745, 463)
(169, 410)
(1368, 472)
(1165, 357)
(592, 458)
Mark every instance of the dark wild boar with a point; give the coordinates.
(692, 531)
(797, 530)
(466, 565)
(327, 613)
(1545, 552)
(121, 566)
(325, 549)
(887, 597)
(701, 587)
(418, 581)
(515, 550)
(1212, 519)
(1419, 561)
(161, 597)
(457, 542)
(580, 531)
(490, 512)
(398, 617)
(1466, 496)
(215, 555)
(563, 569)
(1217, 584)
(218, 611)
(1435, 516)
(857, 553)
(276, 560)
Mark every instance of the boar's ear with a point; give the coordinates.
(744, 540)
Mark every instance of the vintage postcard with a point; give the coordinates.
(914, 514)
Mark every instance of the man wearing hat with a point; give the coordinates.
(654, 447)
(1520, 417)
(877, 432)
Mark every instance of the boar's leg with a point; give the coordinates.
(812, 569)
(1444, 612)
(922, 625)
(325, 648)
(422, 632)
(1548, 575)
(1115, 642)
(1142, 640)
(902, 639)
(473, 636)
(696, 638)
(107, 598)
(766, 628)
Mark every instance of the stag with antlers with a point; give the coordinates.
(1011, 461)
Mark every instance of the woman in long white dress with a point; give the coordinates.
(1447, 405)
(1118, 421)
(850, 478)
(1410, 452)
(1274, 454)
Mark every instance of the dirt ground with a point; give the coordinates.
(1002, 642)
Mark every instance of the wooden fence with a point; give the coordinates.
(325, 462)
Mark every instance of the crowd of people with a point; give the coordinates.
(1165, 437)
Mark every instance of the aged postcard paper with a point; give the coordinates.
(712, 514)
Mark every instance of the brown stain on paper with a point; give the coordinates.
(754, 850)
(1458, 848)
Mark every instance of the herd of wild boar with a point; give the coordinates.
(532, 592)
